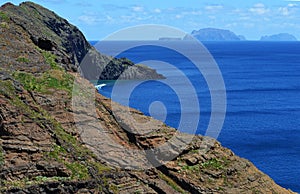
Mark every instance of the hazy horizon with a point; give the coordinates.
(252, 19)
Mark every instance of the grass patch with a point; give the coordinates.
(4, 16)
(51, 60)
(79, 171)
(43, 179)
(28, 182)
(194, 168)
(3, 25)
(55, 79)
(23, 60)
(171, 182)
(214, 164)
(100, 167)
(7, 89)
(29, 81)
(113, 188)
(57, 152)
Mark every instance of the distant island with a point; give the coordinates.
(279, 37)
(214, 34)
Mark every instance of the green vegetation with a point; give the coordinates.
(170, 182)
(100, 167)
(56, 152)
(50, 59)
(194, 151)
(55, 78)
(113, 188)
(3, 25)
(27, 182)
(41, 179)
(6, 88)
(4, 16)
(79, 171)
(215, 163)
(52, 79)
(191, 168)
(23, 60)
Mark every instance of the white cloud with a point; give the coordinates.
(110, 7)
(195, 13)
(157, 10)
(244, 18)
(178, 16)
(213, 8)
(259, 9)
(234, 24)
(284, 11)
(82, 4)
(143, 18)
(92, 18)
(138, 8)
(88, 19)
(288, 10)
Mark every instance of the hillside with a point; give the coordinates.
(42, 147)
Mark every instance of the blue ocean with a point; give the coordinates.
(262, 81)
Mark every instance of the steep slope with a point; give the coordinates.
(43, 150)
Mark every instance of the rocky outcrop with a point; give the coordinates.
(42, 150)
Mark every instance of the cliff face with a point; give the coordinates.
(41, 148)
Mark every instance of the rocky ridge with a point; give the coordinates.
(43, 151)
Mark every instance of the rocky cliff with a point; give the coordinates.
(42, 150)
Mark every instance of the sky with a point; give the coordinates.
(252, 18)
